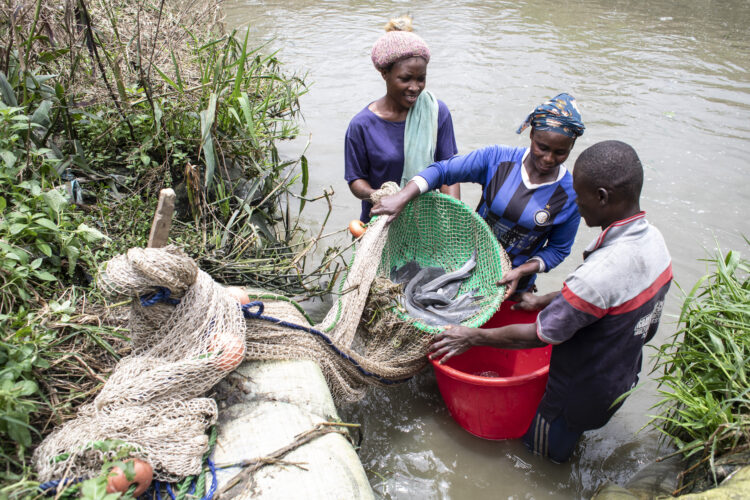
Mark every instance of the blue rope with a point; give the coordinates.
(163, 295)
(208, 496)
(50, 487)
(214, 482)
(160, 295)
(259, 315)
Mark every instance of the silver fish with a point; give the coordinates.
(413, 309)
(443, 295)
(457, 275)
(430, 295)
(432, 298)
(405, 273)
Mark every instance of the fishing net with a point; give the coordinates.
(350, 359)
(188, 332)
(434, 230)
(184, 342)
(437, 230)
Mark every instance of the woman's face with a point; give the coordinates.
(405, 81)
(548, 150)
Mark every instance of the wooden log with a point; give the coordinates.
(162, 219)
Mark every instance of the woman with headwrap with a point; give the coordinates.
(398, 135)
(527, 197)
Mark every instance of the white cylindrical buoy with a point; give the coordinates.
(279, 401)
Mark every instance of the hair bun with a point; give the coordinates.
(402, 23)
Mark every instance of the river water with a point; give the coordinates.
(671, 78)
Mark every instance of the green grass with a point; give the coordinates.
(705, 396)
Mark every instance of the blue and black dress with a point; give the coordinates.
(531, 221)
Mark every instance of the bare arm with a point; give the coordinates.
(455, 340)
(361, 189)
(452, 190)
(531, 302)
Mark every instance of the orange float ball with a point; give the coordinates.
(357, 228)
(239, 294)
(117, 481)
(229, 351)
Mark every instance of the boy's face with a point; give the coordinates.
(588, 200)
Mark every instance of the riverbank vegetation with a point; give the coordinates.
(705, 382)
(103, 104)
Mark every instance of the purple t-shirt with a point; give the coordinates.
(374, 149)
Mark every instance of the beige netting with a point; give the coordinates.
(186, 342)
(364, 352)
(152, 399)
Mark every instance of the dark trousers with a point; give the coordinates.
(551, 440)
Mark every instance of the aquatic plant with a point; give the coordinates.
(705, 405)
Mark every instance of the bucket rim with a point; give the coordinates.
(488, 381)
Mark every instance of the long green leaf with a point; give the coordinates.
(41, 114)
(239, 77)
(177, 75)
(169, 81)
(9, 96)
(305, 181)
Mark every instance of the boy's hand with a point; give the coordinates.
(454, 340)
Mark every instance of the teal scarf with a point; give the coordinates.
(420, 136)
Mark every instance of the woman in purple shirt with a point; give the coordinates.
(374, 150)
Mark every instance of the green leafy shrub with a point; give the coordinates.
(96, 116)
(41, 239)
(42, 243)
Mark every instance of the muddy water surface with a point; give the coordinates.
(670, 78)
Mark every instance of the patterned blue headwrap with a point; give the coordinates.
(560, 114)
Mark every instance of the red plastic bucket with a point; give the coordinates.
(494, 393)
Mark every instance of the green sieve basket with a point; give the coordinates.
(437, 230)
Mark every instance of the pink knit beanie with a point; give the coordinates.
(394, 46)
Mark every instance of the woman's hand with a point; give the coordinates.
(392, 205)
(454, 340)
(512, 277)
(510, 280)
